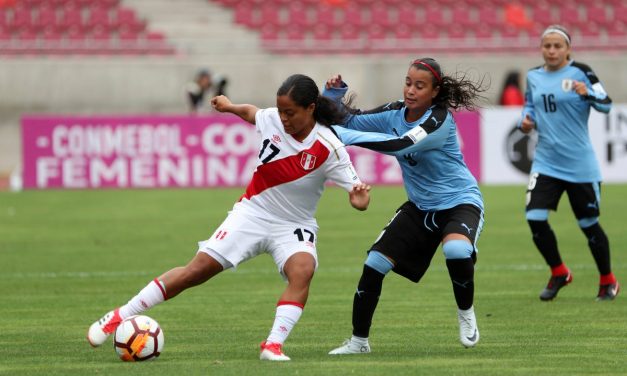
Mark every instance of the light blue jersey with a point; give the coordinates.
(434, 173)
(564, 150)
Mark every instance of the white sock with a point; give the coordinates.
(151, 295)
(287, 315)
(359, 340)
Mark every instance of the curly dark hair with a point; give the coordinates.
(459, 91)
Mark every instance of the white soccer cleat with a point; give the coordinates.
(468, 331)
(351, 347)
(272, 351)
(100, 330)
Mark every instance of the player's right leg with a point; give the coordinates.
(201, 268)
(365, 303)
(298, 270)
(543, 194)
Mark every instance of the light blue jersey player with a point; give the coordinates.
(445, 205)
(434, 172)
(558, 99)
(561, 114)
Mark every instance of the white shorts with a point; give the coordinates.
(241, 237)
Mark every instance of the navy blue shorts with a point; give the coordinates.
(544, 192)
(412, 236)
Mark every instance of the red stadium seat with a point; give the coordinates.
(51, 34)
(379, 16)
(407, 15)
(126, 18)
(590, 30)
(483, 32)
(620, 12)
(46, 16)
(98, 17)
(21, 19)
(509, 32)
(269, 33)
(352, 15)
(489, 15)
(596, 13)
(270, 15)
(377, 32)
(429, 33)
(456, 31)
(404, 31)
(350, 32)
(542, 14)
(434, 15)
(322, 33)
(295, 33)
(70, 18)
(569, 14)
(325, 15)
(616, 30)
(244, 15)
(297, 15)
(462, 15)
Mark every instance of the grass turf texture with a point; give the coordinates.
(66, 257)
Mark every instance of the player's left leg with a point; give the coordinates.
(585, 199)
(201, 268)
(462, 227)
(299, 270)
(365, 301)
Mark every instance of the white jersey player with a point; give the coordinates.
(275, 215)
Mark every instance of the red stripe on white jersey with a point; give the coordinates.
(286, 169)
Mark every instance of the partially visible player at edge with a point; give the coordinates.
(275, 215)
(558, 99)
(445, 205)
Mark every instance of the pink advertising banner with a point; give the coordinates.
(170, 151)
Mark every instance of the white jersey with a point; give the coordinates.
(290, 175)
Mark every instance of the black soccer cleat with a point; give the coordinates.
(608, 292)
(554, 285)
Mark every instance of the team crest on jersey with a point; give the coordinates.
(276, 138)
(307, 161)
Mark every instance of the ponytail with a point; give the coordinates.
(327, 112)
(304, 91)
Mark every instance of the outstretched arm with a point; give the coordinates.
(246, 111)
(359, 196)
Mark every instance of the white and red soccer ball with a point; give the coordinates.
(138, 338)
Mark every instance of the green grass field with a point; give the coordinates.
(66, 257)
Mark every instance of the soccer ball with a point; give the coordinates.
(138, 338)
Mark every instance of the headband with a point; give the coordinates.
(437, 76)
(557, 31)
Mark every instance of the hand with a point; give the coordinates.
(359, 196)
(580, 88)
(221, 103)
(334, 81)
(527, 124)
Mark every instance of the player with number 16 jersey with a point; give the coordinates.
(558, 99)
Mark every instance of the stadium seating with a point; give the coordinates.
(69, 27)
(396, 25)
